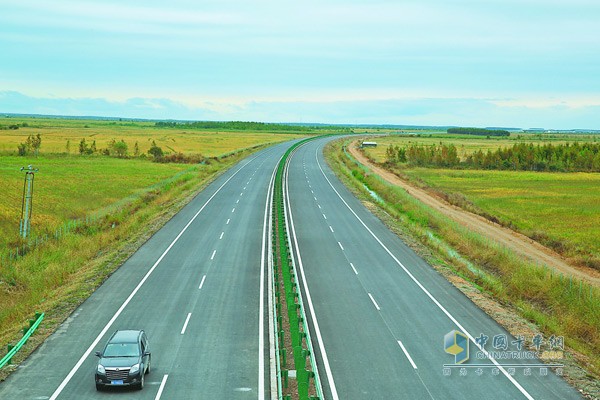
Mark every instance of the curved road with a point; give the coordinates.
(382, 312)
(378, 313)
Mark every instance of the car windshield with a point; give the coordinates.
(121, 350)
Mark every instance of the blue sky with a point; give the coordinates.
(523, 63)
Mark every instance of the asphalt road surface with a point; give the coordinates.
(379, 313)
(195, 287)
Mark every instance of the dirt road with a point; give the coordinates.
(515, 241)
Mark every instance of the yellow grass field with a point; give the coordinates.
(56, 132)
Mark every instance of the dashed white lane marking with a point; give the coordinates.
(315, 198)
(374, 302)
(331, 229)
(324, 216)
(241, 194)
(319, 206)
(202, 282)
(233, 210)
(86, 354)
(185, 324)
(354, 269)
(238, 200)
(420, 285)
(221, 237)
(228, 219)
(407, 355)
(162, 387)
(341, 247)
(213, 254)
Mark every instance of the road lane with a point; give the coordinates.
(199, 305)
(337, 237)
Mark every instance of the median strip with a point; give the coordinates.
(294, 347)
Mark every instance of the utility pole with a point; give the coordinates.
(27, 201)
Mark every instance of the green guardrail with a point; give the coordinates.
(300, 340)
(27, 332)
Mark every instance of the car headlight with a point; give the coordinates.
(135, 369)
(101, 369)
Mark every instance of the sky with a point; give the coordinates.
(511, 63)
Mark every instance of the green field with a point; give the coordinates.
(56, 132)
(70, 186)
(90, 212)
(561, 210)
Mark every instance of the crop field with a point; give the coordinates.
(561, 210)
(70, 186)
(56, 133)
(467, 144)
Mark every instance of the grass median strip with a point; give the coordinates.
(293, 339)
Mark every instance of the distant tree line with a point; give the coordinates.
(233, 125)
(520, 157)
(478, 131)
(120, 149)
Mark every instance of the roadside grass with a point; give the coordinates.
(57, 275)
(559, 210)
(556, 304)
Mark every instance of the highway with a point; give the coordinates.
(195, 287)
(379, 313)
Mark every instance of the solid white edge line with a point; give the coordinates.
(374, 302)
(261, 313)
(324, 357)
(202, 283)
(185, 324)
(354, 269)
(213, 254)
(435, 301)
(162, 387)
(407, 355)
(137, 288)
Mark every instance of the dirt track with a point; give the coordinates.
(515, 241)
